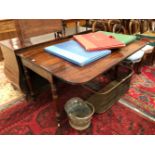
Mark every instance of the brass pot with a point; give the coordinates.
(79, 113)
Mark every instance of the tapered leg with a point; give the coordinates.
(116, 72)
(153, 56)
(28, 81)
(150, 58)
(138, 66)
(55, 100)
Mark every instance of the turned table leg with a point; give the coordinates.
(28, 81)
(55, 100)
(153, 56)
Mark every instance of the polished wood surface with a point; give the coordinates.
(48, 66)
(6, 26)
(41, 62)
(10, 49)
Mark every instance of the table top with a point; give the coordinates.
(72, 73)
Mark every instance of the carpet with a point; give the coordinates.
(141, 94)
(38, 118)
(8, 95)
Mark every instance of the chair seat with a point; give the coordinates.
(136, 57)
(147, 49)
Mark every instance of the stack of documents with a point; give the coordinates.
(88, 48)
(98, 41)
(73, 52)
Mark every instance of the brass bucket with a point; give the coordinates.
(79, 113)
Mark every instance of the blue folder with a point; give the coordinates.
(75, 53)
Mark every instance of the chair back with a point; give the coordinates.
(152, 25)
(99, 26)
(144, 26)
(119, 28)
(134, 27)
(111, 23)
(28, 28)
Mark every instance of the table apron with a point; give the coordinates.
(43, 73)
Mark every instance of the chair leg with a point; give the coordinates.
(153, 57)
(150, 58)
(137, 66)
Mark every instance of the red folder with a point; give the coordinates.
(98, 41)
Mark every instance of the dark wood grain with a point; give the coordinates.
(13, 67)
(70, 72)
(46, 65)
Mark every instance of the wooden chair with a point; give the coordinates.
(144, 25)
(139, 26)
(136, 64)
(119, 28)
(125, 23)
(134, 27)
(149, 56)
(147, 26)
(99, 25)
(111, 23)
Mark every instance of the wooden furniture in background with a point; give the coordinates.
(99, 25)
(74, 24)
(111, 24)
(36, 56)
(149, 57)
(144, 25)
(28, 28)
(119, 28)
(7, 30)
(134, 27)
